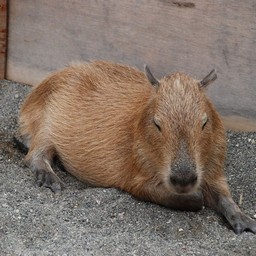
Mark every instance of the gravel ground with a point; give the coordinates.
(93, 221)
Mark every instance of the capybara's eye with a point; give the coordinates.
(157, 124)
(204, 120)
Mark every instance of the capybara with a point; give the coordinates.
(114, 126)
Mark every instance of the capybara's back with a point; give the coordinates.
(114, 126)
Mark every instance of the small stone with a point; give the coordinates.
(121, 215)
(254, 216)
(16, 96)
(181, 229)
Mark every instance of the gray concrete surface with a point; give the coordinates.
(93, 221)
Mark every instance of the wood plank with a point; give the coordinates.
(238, 123)
(190, 36)
(3, 36)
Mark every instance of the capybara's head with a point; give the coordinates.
(177, 130)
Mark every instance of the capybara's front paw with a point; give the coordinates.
(49, 180)
(243, 223)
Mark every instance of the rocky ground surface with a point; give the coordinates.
(93, 221)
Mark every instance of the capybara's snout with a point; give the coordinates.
(184, 181)
(184, 172)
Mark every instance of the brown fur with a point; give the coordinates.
(98, 118)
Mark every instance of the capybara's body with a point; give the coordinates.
(113, 126)
(90, 121)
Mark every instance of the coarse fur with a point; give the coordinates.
(113, 126)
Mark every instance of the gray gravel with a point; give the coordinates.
(93, 221)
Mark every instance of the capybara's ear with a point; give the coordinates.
(151, 77)
(208, 79)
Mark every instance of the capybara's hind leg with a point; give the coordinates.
(40, 163)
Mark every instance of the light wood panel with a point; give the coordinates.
(190, 36)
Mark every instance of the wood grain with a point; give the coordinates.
(3, 36)
(238, 123)
(190, 36)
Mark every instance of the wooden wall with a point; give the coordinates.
(190, 36)
(3, 36)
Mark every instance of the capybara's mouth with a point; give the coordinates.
(184, 185)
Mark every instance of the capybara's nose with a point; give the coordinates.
(184, 180)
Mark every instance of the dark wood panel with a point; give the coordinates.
(3, 36)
